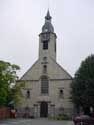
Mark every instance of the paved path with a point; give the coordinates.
(35, 122)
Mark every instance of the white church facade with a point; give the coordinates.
(47, 84)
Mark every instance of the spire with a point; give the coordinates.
(48, 27)
(48, 17)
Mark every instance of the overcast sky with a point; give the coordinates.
(21, 22)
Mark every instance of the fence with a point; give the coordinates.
(4, 112)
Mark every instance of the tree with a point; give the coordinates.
(15, 92)
(8, 77)
(83, 85)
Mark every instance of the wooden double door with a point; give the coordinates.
(43, 109)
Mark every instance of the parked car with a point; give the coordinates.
(83, 120)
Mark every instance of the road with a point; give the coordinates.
(35, 122)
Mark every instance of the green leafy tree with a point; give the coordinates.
(83, 85)
(15, 92)
(8, 77)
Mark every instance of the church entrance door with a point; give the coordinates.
(43, 109)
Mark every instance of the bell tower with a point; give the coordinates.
(47, 39)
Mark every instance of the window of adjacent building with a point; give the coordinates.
(44, 85)
(45, 44)
(44, 69)
(28, 93)
(61, 93)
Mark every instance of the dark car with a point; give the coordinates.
(83, 120)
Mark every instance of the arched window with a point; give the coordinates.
(61, 93)
(45, 44)
(28, 93)
(45, 69)
(44, 59)
(44, 85)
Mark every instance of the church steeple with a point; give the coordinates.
(47, 39)
(48, 27)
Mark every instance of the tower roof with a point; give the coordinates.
(47, 27)
(48, 17)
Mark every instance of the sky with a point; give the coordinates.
(21, 22)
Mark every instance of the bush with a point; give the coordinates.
(62, 117)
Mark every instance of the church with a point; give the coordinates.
(47, 84)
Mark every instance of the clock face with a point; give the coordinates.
(45, 30)
(45, 36)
